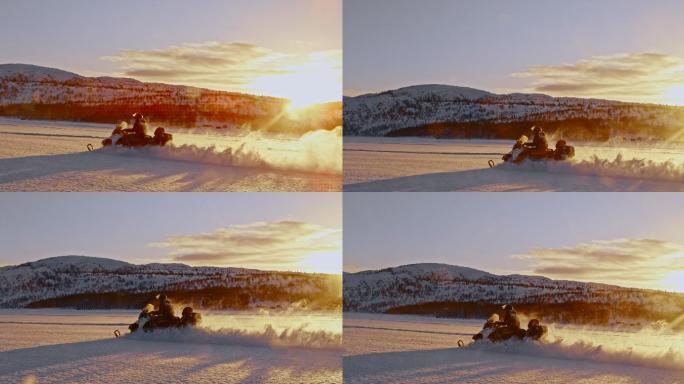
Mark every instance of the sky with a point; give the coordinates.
(269, 47)
(271, 231)
(618, 49)
(628, 239)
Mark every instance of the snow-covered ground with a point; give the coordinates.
(68, 346)
(414, 349)
(421, 164)
(52, 156)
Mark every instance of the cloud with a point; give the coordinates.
(627, 262)
(644, 77)
(269, 245)
(234, 66)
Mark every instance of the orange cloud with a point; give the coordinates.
(627, 262)
(270, 245)
(238, 67)
(641, 77)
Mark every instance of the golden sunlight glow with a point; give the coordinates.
(305, 78)
(295, 111)
(322, 262)
(318, 80)
(675, 95)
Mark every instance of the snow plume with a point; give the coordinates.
(296, 337)
(317, 151)
(650, 347)
(618, 167)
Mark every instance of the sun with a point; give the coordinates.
(675, 95)
(323, 262)
(315, 80)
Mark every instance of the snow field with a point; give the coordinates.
(419, 164)
(413, 349)
(59, 346)
(52, 156)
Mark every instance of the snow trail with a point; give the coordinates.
(317, 152)
(584, 350)
(644, 168)
(299, 337)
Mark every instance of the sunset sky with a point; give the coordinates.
(628, 239)
(273, 231)
(618, 49)
(279, 48)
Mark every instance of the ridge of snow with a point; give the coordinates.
(36, 72)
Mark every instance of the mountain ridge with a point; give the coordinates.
(42, 93)
(448, 111)
(455, 291)
(105, 282)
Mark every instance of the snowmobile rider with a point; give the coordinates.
(539, 142)
(139, 130)
(510, 320)
(165, 307)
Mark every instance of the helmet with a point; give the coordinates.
(162, 297)
(508, 307)
(187, 311)
(138, 115)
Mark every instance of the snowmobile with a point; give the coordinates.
(495, 331)
(523, 152)
(160, 138)
(149, 320)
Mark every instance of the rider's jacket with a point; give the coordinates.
(539, 142)
(511, 320)
(166, 309)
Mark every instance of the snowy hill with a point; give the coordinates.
(450, 111)
(73, 280)
(446, 290)
(36, 73)
(34, 92)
